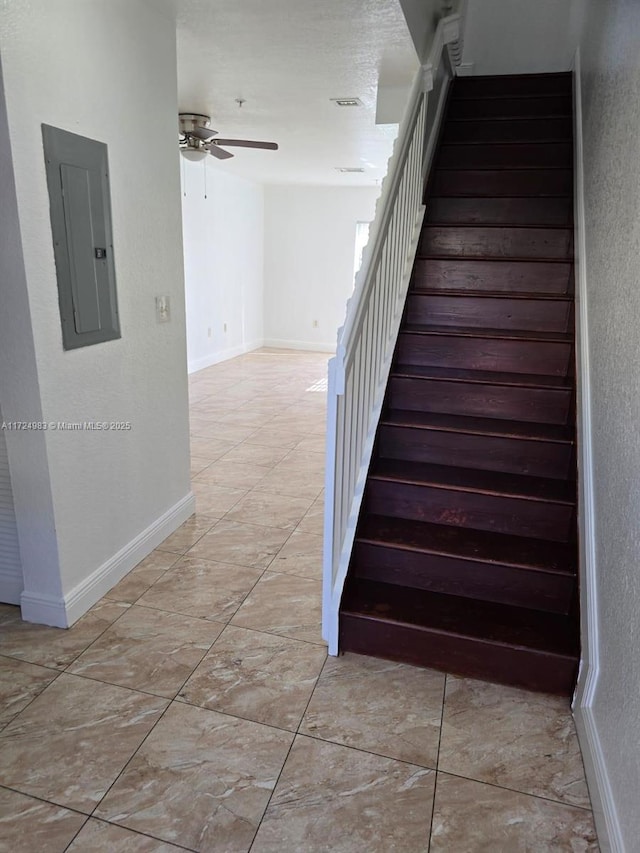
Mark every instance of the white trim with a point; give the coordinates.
(222, 355)
(465, 69)
(333, 595)
(604, 809)
(602, 801)
(432, 139)
(311, 346)
(10, 586)
(63, 612)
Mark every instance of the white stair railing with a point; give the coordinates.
(359, 371)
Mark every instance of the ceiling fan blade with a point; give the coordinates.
(248, 143)
(203, 133)
(220, 153)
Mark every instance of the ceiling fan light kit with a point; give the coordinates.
(196, 139)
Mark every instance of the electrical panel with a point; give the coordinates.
(78, 182)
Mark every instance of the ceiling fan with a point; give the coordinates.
(197, 139)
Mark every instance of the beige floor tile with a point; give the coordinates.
(270, 510)
(215, 500)
(293, 483)
(73, 740)
(333, 798)
(148, 650)
(245, 417)
(313, 521)
(272, 437)
(210, 447)
(284, 604)
(202, 588)
(240, 544)
(470, 817)
(188, 534)
(258, 676)
(100, 837)
(313, 443)
(300, 555)
(313, 460)
(20, 682)
(199, 463)
(388, 708)
(513, 738)
(54, 647)
(265, 404)
(229, 433)
(255, 454)
(31, 826)
(232, 474)
(142, 577)
(201, 779)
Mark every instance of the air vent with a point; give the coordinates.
(346, 102)
(349, 169)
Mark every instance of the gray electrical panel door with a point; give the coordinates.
(78, 181)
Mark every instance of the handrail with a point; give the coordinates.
(358, 373)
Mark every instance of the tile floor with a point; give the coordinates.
(194, 707)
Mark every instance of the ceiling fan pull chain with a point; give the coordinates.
(204, 166)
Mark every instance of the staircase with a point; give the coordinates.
(465, 553)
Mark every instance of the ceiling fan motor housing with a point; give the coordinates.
(190, 122)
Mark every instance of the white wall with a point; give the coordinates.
(105, 69)
(422, 18)
(610, 78)
(11, 584)
(520, 36)
(308, 261)
(223, 263)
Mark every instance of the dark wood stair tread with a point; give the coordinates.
(470, 544)
(523, 486)
(480, 332)
(483, 377)
(419, 290)
(478, 426)
(533, 117)
(500, 624)
(503, 225)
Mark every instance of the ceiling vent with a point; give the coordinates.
(346, 102)
(349, 169)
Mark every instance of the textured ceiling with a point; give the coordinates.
(286, 59)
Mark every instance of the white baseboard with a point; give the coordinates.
(465, 69)
(222, 355)
(63, 612)
(604, 809)
(10, 586)
(310, 346)
(602, 801)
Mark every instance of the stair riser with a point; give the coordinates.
(496, 513)
(516, 130)
(454, 576)
(497, 211)
(536, 405)
(515, 356)
(509, 108)
(531, 85)
(484, 452)
(534, 315)
(508, 276)
(474, 658)
(538, 183)
(499, 242)
(520, 155)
